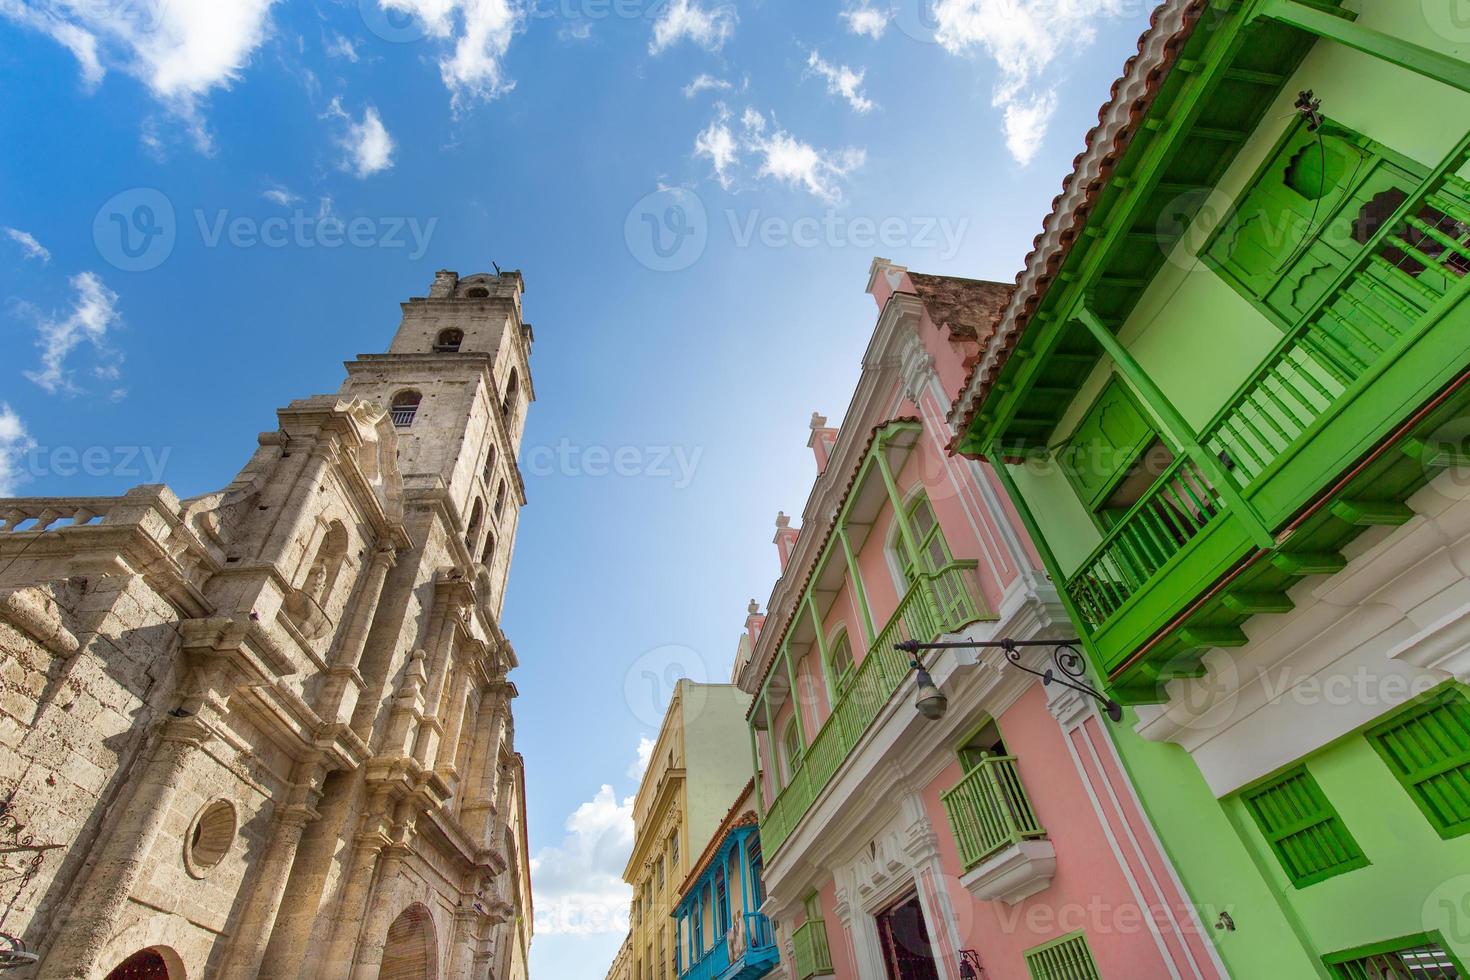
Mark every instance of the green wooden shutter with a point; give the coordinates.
(1428, 748)
(1105, 444)
(1421, 957)
(1067, 958)
(1309, 838)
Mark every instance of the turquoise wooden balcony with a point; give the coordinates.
(1339, 424)
(989, 810)
(813, 956)
(942, 602)
(756, 956)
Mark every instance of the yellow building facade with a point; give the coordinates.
(698, 765)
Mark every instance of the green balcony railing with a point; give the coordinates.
(1412, 273)
(813, 956)
(988, 810)
(1176, 508)
(939, 602)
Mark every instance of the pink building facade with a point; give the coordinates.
(1002, 840)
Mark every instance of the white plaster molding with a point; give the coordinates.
(1444, 645)
(1394, 623)
(1016, 872)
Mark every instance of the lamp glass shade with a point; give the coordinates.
(930, 701)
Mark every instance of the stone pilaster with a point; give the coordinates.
(342, 683)
(99, 903)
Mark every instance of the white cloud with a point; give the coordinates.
(1026, 120)
(14, 441)
(27, 241)
(1023, 38)
(579, 882)
(279, 194)
(481, 31)
(338, 46)
(864, 19)
(180, 50)
(841, 80)
(682, 20)
(717, 142)
(93, 314)
(778, 154)
(639, 766)
(367, 143)
(705, 83)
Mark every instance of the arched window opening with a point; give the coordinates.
(790, 750)
(500, 500)
(331, 554)
(928, 542)
(839, 661)
(472, 533)
(487, 557)
(512, 393)
(404, 407)
(477, 292)
(449, 341)
(489, 470)
(410, 950)
(145, 964)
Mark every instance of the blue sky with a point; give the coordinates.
(206, 207)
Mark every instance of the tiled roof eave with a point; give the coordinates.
(1133, 93)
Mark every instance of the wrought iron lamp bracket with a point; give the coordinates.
(1068, 668)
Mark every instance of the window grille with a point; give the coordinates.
(1421, 957)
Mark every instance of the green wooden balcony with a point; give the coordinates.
(813, 956)
(1337, 426)
(988, 810)
(945, 601)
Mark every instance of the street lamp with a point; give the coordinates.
(1068, 670)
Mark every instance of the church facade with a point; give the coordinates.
(267, 731)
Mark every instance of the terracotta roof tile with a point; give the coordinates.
(729, 823)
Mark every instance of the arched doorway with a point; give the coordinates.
(410, 951)
(145, 964)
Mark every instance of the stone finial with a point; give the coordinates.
(884, 279)
(753, 608)
(821, 441)
(785, 539)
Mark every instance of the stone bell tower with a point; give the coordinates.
(457, 382)
(267, 731)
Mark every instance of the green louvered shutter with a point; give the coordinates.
(1309, 838)
(1067, 958)
(1428, 748)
